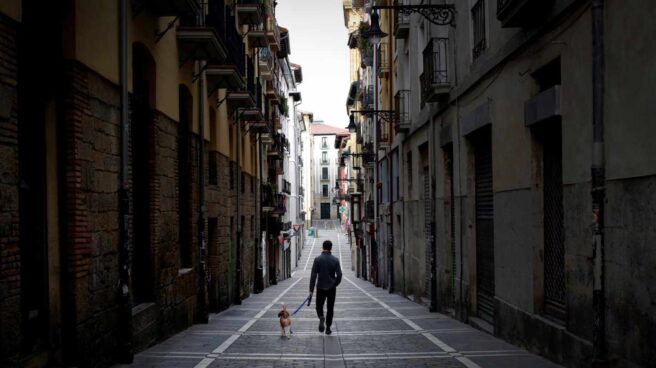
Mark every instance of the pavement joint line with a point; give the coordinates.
(226, 344)
(310, 254)
(439, 343)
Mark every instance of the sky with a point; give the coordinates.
(318, 43)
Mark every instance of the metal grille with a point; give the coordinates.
(436, 67)
(478, 22)
(484, 229)
(554, 251)
(428, 215)
(452, 216)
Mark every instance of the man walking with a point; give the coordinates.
(327, 268)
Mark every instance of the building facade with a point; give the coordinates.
(513, 191)
(325, 170)
(134, 169)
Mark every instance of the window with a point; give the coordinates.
(324, 190)
(478, 28)
(324, 173)
(324, 142)
(324, 157)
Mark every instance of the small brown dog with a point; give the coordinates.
(285, 321)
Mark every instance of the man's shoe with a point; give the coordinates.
(328, 331)
(321, 328)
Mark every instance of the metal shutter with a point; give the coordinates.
(484, 229)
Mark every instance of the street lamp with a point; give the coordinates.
(355, 207)
(374, 33)
(352, 128)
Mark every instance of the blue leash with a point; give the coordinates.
(308, 300)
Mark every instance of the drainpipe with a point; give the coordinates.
(201, 307)
(126, 352)
(432, 149)
(237, 295)
(376, 171)
(258, 204)
(390, 242)
(598, 184)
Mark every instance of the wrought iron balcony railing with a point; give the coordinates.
(369, 210)
(368, 96)
(402, 109)
(383, 60)
(286, 187)
(401, 23)
(435, 79)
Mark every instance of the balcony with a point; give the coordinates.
(272, 89)
(224, 77)
(265, 62)
(277, 150)
(266, 137)
(253, 120)
(368, 97)
(522, 13)
(402, 109)
(435, 79)
(174, 8)
(248, 12)
(256, 36)
(543, 107)
(273, 33)
(368, 160)
(286, 187)
(369, 210)
(272, 203)
(237, 99)
(228, 75)
(383, 60)
(401, 24)
(199, 43)
(383, 135)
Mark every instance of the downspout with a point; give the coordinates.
(201, 307)
(126, 352)
(376, 171)
(258, 204)
(237, 281)
(390, 242)
(598, 184)
(432, 149)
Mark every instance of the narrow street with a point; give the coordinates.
(371, 328)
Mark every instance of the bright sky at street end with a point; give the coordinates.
(318, 40)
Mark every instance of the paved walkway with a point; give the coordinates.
(371, 328)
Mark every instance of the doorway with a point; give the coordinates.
(325, 211)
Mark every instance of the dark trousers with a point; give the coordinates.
(321, 298)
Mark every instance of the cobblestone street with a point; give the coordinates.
(371, 328)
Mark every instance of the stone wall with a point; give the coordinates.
(90, 233)
(9, 178)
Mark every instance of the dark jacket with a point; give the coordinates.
(327, 267)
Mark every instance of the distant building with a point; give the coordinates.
(324, 170)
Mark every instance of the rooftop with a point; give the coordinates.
(325, 129)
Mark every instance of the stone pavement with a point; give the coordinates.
(371, 328)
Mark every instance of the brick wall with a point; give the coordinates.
(9, 232)
(90, 262)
